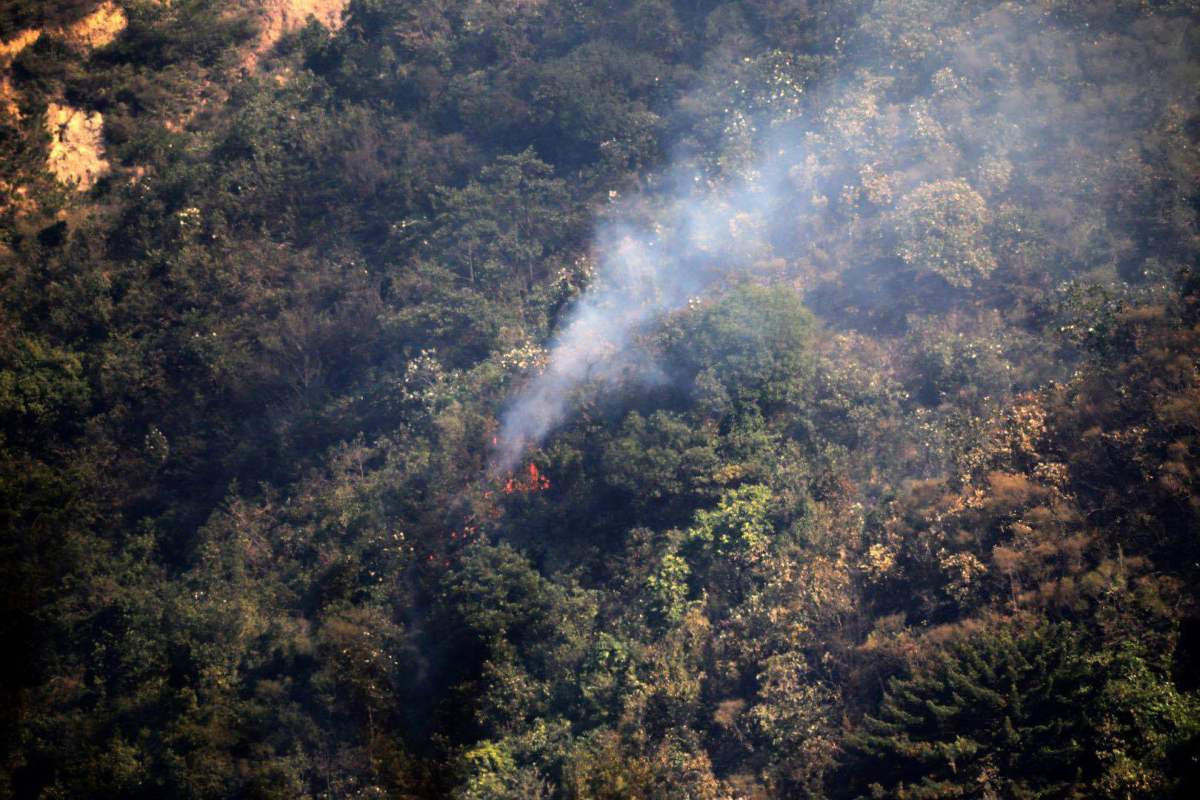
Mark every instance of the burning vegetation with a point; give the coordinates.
(530, 481)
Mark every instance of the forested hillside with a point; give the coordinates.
(600, 399)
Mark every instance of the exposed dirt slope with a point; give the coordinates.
(76, 146)
(277, 18)
(95, 30)
(76, 154)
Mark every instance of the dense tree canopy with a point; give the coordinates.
(894, 495)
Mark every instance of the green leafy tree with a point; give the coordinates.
(739, 527)
(755, 343)
(505, 223)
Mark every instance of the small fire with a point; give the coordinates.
(535, 482)
(530, 482)
(473, 527)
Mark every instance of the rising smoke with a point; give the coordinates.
(919, 176)
(645, 271)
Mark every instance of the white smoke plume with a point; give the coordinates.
(920, 162)
(646, 270)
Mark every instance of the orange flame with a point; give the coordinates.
(535, 482)
(529, 481)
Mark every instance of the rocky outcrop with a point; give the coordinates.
(12, 48)
(76, 146)
(281, 17)
(277, 18)
(9, 50)
(76, 154)
(97, 29)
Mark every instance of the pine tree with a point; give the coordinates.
(995, 714)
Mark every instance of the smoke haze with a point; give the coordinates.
(900, 183)
(645, 271)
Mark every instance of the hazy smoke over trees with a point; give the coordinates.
(646, 270)
(908, 181)
(847, 354)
